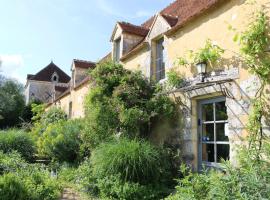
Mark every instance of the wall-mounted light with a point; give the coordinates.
(201, 69)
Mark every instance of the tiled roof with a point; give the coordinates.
(177, 14)
(133, 29)
(172, 20)
(46, 73)
(84, 64)
(60, 88)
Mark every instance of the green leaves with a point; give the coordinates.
(209, 53)
(121, 101)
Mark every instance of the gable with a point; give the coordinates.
(159, 26)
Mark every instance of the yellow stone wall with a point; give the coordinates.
(76, 96)
(212, 25)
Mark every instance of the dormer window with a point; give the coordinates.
(117, 50)
(160, 65)
(55, 77)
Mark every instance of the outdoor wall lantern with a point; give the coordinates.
(201, 69)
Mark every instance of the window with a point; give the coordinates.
(117, 50)
(160, 65)
(55, 77)
(70, 110)
(214, 140)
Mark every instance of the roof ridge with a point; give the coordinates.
(128, 23)
(86, 61)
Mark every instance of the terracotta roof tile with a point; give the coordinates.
(46, 73)
(84, 64)
(133, 29)
(172, 20)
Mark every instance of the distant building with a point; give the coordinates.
(47, 84)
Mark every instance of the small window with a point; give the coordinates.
(55, 77)
(160, 65)
(117, 50)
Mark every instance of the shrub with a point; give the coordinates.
(12, 188)
(121, 101)
(11, 162)
(61, 141)
(53, 115)
(134, 160)
(113, 187)
(16, 140)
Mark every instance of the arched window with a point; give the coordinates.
(55, 77)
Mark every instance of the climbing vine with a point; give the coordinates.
(254, 44)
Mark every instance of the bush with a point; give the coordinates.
(250, 180)
(31, 183)
(129, 169)
(61, 141)
(121, 101)
(134, 160)
(11, 162)
(12, 188)
(53, 115)
(112, 187)
(16, 140)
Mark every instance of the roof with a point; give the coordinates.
(176, 14)
(46, 73)
(60, 88)
(83, 64)
(82, 82)
(133, 29)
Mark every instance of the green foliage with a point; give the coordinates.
(38, 110)
(61, 141)
(174, 79)
(254, 43)
(12, 102)
(12, 188)
(121, 101)
(136, 161)
(113, 187)
(53, 115)
(209, 53)
(11, 162)
(17, 140)
(20, 180)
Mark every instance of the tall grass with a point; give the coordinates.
(135, 160)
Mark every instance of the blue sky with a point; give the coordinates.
(34, 32)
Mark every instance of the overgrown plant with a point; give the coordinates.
(210, 53)
(121, 102)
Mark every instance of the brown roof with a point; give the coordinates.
(83, 64)
(133, 29)
(46, 73)
(177, 14)
(172, 20)
(60, 88)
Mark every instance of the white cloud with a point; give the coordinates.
(10, 66)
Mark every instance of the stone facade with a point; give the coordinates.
(229, 78)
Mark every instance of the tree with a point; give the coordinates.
(12, 102)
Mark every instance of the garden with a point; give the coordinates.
(109, 153)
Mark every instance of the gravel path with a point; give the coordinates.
(69, 194)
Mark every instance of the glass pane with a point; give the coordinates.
(220, 131)
(208, 132)
(223, 152)
(207, 112)
(221, 111)
(208, 152)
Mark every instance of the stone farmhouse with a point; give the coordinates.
(215, 109)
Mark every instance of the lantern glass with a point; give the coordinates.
(201, 67)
